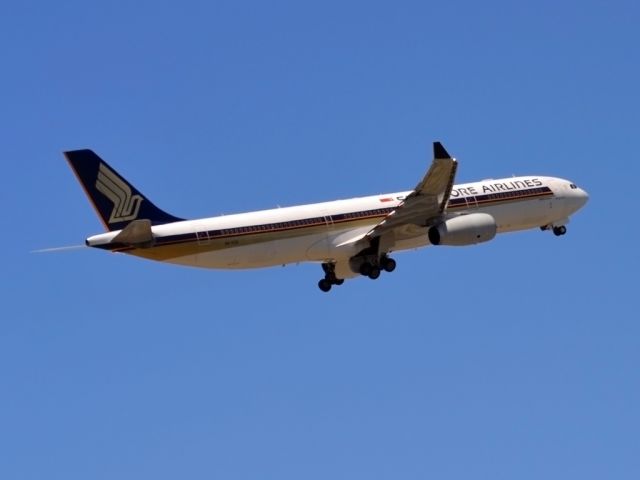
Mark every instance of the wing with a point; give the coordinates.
(423, 205)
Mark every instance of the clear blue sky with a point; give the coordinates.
(514, 359)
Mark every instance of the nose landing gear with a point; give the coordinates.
(558, 230)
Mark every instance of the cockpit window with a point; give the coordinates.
(573, 186)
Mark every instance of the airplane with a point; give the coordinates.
(349, 238)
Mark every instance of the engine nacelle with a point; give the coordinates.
(464, 230)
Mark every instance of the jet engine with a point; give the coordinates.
(464, 230)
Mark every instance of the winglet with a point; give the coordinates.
(439, 151)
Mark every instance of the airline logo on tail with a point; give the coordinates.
(125, 205)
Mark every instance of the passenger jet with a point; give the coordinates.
(347, 237)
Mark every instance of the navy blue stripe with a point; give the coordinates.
(500, 196)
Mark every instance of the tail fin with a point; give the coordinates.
(116, 200)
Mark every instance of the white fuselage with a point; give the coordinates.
(324, 232)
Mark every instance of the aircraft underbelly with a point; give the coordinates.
(264, 254)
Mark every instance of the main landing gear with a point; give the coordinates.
(330, 278)
(373, 269)
(370, 267)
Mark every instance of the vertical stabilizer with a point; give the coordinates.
(117, 201)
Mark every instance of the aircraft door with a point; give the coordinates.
(472, 203)
(203, 238)
(328, 220)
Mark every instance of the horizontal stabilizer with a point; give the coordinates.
(137, 234)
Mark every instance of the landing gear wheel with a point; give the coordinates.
(388, 264)
(374, 273)
(324, 285)
(330, 278)
(365, 269)
(558, 231)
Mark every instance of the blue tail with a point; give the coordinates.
(117, 201)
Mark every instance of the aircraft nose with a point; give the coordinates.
(583, 196)
(577, 199)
